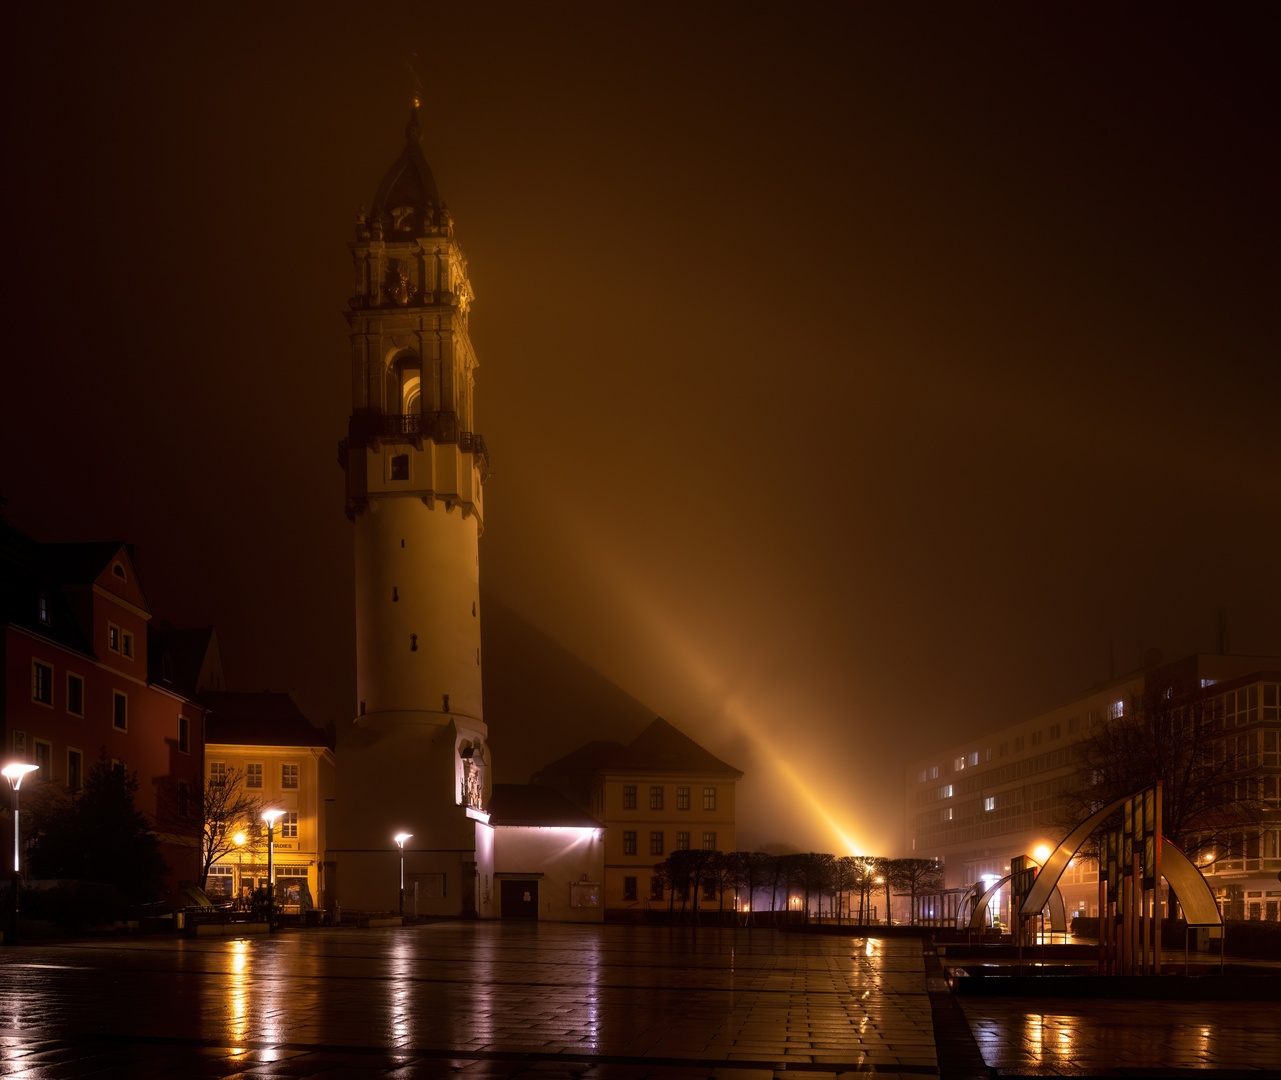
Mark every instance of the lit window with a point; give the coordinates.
(958, 764)
(682, 841)
(217, 773)
(629, 888)
(75, 695)
(629, 796)
(934, 772)
(682, 798)
(119, 711)
(629, 842)
(1115, 710)
(184, 735)
(253, 775)
(42, 608)
(989, 803)
(656, 798)
(289, 776)
(41, 683)
(973, 759)
(656, 843)
(947, 814)
(289, 825)
(709, 841)
(709, 798)
(945, 792)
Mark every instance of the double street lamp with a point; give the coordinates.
(270, 817)
(400, 839)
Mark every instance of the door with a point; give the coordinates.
(519, 899)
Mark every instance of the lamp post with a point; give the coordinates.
(14, 774)
(400, 839)
(239, 841)
(270, 817)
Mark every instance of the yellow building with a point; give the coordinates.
(660, 793)
(261, 747)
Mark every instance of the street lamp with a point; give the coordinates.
(400, 839)
(14, 774)
(270, 817)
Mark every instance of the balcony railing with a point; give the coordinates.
(441, 427)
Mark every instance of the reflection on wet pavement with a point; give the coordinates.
(494, 999)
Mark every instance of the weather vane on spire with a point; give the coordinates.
(417, 82)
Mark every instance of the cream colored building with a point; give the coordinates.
(660, 793)
(285, 764)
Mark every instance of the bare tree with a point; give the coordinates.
(1209, 774)
(919, 877)
(230, 810)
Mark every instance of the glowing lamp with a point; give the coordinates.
(400, 839)
(14, 774)
(271, 817)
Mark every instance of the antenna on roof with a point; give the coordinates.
(414, 79)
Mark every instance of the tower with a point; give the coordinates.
(415, 758)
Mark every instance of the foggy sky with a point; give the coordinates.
(855, 378)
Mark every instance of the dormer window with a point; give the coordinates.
(42, 608)
(119, 570)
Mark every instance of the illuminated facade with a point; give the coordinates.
(660, 793)
(87, 678)
(983, 801)
(277, 759)
(416, 757)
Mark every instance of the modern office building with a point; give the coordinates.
(978, 803)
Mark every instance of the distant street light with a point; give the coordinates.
(270, 817)
(400, 839)
(14, 774)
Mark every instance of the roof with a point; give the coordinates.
(535, 805)
(409, 181)
(186, 649)
(660, 748)
(260, 719)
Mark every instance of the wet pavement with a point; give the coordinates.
(472, 1000)
(512, 1000)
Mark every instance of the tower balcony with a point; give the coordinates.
(365, 428)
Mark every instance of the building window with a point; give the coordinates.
(709, 889)
(44, 759)
(1115, 710)
(126, 643)
(289, 776)
(973, 759)
(1018, 743)
(656, 798)
(42, 608)
(1005, 749)
(184, 735)
(1074, 725)
(709, 841)
(987, 754)
(629, 842)
(119, 571)
(656, 888)
(629, 796)
(113, 638)
(184, 800)
(656, 843)
(217, 773)
(629, 888)
(289, 825)
(119, 711)
(41, 683)
(1055, 730)
(253, 775)
(1036, 738)
(75, 770)
(682, 798)
(958, 764)
(934, 772)
(682, 841)
(989, 803)
(400, 467)
(709, 798)
(75, 695)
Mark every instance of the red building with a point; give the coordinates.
(87, 677)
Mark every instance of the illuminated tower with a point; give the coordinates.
(416, 757)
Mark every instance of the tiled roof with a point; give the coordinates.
(535, 804)
(260, 719)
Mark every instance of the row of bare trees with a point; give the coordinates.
(754, 883)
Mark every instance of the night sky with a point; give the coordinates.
(856, 378)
